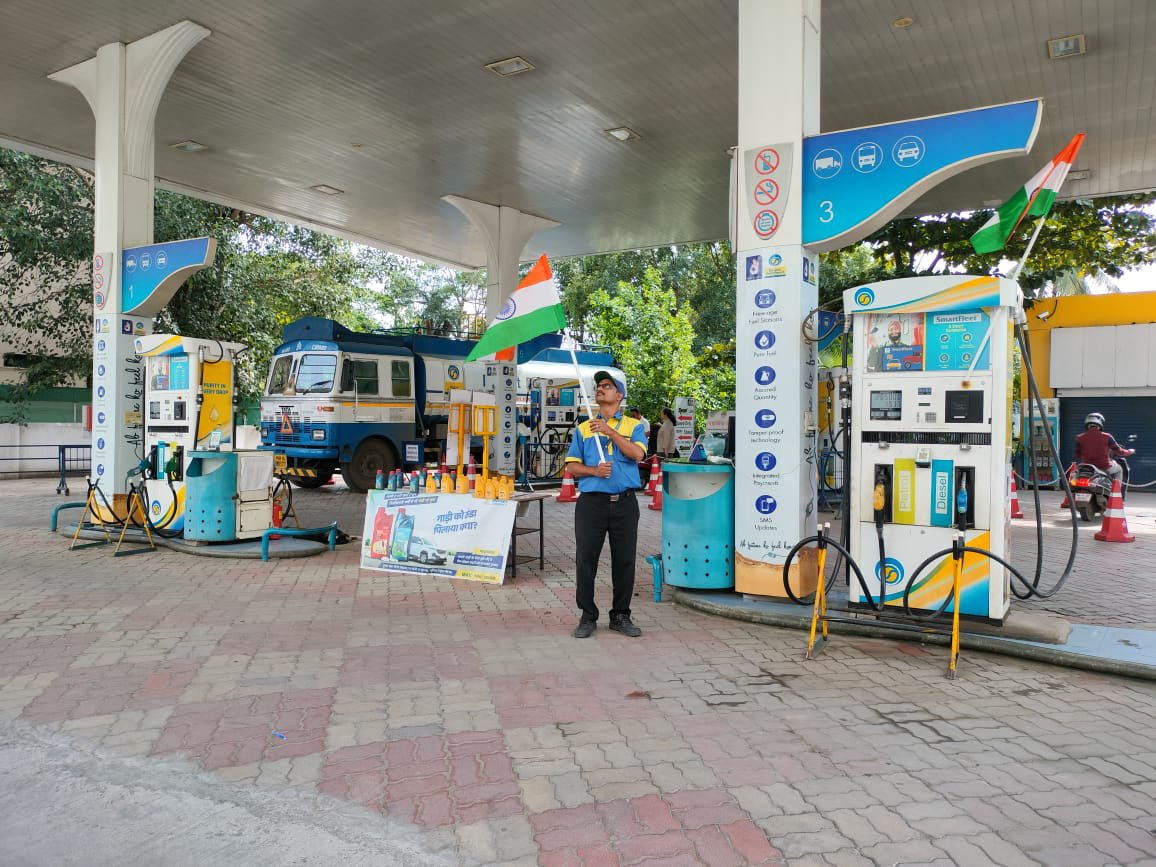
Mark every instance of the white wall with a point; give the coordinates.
(1104, 357)
(30, 449)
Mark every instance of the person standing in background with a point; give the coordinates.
(665, 445)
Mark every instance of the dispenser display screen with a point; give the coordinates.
(886, 405)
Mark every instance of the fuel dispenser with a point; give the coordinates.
(931, 439)
(188, 403)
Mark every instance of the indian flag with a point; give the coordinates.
(533, 309)
(1034, 199)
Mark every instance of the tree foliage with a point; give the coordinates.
(45, 269)
(1093, 239)
(651, 334)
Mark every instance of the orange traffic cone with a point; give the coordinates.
(1115, 527)
(471, 473)
(569, 493)
(1015, 499)
(655, 475)
(656, 503)
(1068, 472)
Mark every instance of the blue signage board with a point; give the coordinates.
(150, 275)
(857, 180)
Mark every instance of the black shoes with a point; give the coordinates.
(618, 623)
(585, 628)
(621, 623)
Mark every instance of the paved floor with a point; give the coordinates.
(382, 719)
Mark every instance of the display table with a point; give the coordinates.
(520, 529)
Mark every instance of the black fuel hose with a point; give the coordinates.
(842, 552)
(1031, 589)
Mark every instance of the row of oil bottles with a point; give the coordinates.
(444, 481)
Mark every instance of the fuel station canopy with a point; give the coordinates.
(357, 117)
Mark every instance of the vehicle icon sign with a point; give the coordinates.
(908, 151)
(867, 157)
(827, 163)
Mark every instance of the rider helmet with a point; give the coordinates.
(1094, 418)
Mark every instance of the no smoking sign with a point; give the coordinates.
(766, 191)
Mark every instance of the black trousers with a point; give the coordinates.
(597, 516)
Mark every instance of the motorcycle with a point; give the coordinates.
(1092, 486)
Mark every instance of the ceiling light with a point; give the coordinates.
(510, 66)
(902, 22)
(327, 190)
(1066, 46)
(189, 146)
(623, 133)
(1079, 174)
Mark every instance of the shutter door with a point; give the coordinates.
(1124, 416)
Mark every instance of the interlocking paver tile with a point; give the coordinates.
(468, 711)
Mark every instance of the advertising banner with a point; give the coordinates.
(452, 535)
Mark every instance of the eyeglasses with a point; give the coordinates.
(609, 385)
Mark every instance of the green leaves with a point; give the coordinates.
(651, 335)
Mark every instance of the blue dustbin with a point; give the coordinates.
(698, 525)
(210, 487)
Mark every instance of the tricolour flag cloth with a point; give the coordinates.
(533, 309)
(1033, 199)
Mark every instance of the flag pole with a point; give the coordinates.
(586, 402)
(1027, 251)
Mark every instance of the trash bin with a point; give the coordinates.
(210, 485)
(228, 495)
(698, 525)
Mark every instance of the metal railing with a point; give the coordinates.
(43, 459)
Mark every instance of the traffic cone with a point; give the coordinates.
(655, 476)
(471, 473)
(1068, 472)
(656, 503)
(569, 493)
(1015, 500)
(1115, 526)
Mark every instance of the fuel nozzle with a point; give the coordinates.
(961, 508)
(879, 500)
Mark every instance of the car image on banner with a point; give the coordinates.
(426, 552)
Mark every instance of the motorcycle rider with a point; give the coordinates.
(1097, 447)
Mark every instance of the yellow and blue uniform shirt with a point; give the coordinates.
(623, 471)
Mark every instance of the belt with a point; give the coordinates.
(614, 498)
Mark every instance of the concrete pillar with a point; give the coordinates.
(777, 280)
(123, 85)
(506, 231)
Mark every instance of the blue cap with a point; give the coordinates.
(602, 375)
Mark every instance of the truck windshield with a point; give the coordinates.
(307, 373)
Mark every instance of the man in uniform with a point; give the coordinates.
(607, 505)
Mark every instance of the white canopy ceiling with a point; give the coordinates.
(389, 101)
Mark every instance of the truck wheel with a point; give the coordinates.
(370, 456)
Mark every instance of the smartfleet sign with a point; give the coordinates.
(856, 180)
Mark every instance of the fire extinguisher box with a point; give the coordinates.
(698, 525)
